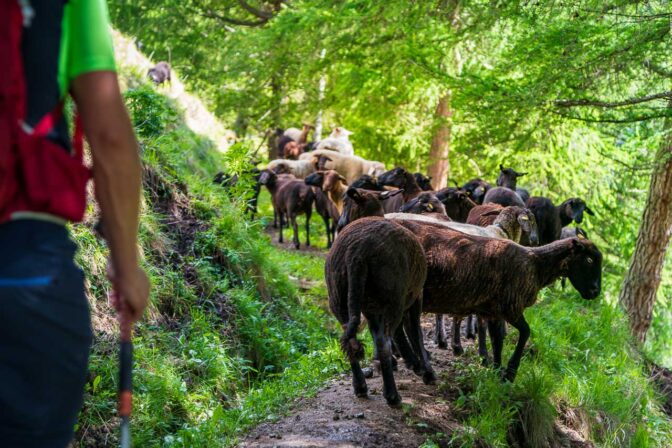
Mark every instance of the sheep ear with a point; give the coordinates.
(343, 179)
(501, 167)
(354, 194)
(520, 174)
(589, 211)
(390, 193)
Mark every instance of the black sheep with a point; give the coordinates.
(476, 189)
(551, 219)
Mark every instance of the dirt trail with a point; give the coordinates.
(336, 418)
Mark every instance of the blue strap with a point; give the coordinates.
(30, 281)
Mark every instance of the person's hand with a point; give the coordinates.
(131, 292)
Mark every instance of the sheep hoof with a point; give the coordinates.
(458, 350)
(442, 344)
(429, 377)
(471, 336)
(362, 391)
(508, 375)
(485, 361)
(394, 400)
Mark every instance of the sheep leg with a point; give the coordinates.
(410, 359)
(328, 227)
(497, 341)
(358, 380)
(308, 214)
(440, 337)
(414, 330)
(280, 219)
(383, 342)
(457, 337)
(470, 327)
(295, 228)
(523, 335)
(482, 346)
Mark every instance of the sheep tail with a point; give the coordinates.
(350, 345)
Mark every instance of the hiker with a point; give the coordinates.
(52, 49)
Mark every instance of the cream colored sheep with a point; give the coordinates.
(299, 168)
(350, 167)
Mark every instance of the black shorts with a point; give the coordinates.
(45, 335)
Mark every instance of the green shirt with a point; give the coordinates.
(86, 42)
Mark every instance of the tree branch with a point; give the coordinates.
(633, 119)
(265, 15)
(211, 14)
(612, 104)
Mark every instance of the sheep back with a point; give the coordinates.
(381, 262)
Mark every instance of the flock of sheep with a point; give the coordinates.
(477, 251)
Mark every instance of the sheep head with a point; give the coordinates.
(508, 177)
(360, 203)
(426, 202)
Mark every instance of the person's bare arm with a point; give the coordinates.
(117, 178)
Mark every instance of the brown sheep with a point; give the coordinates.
(402, 179)
(457, 203)
(291, 197)
(494, 278)
(332, 183)
(377, 268)
(498, 279)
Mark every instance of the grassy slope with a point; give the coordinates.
(229, 340)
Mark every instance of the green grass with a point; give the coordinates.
(229, 339)
(583, 361)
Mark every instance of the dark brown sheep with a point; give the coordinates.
(377, 268)
(426, 203)
(551, 219)
(503, 196)
(402, 179)
(457, 203)
(476, 189)
(424, 182)
(508, 178)
(291, 197)
(360, 203)
(160, 73)
(498, 279)
(367, 182)
(327, 210)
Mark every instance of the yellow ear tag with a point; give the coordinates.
(580, 236)
(524, 218)
(430, 207)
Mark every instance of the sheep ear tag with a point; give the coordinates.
(524, 218)
(430, 207)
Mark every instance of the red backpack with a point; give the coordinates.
(36, 174)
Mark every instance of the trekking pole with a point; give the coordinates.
(125, 378)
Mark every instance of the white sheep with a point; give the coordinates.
(299, 168)
(338, 141)
(350, 167)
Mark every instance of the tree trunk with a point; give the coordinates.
(638, 294)
(438, 153)
(322, 87)
(276, 103)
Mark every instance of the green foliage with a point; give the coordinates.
(152, 113)
(228, 339)
(582, 360)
